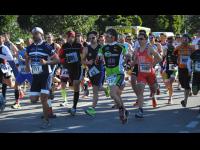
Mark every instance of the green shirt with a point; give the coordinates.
(113, 55)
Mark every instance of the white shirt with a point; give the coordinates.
(5, 53)
(195, 42)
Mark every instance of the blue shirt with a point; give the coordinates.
(39, 51)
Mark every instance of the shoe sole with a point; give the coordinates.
(89, 114)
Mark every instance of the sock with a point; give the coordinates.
(76, 97)
(17, 96)
(4, 89)
(64, 94)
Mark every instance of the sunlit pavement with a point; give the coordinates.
(163, 119)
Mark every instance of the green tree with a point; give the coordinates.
(58, 24)
(192, 23)
(114, 20)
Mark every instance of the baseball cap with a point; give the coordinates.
(37, 29)
(19, 41)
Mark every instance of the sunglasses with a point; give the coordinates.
(48, 37)
(140, 39)
(92, 38)
(128, 39)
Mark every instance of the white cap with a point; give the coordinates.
(19, 41)
(37, 29)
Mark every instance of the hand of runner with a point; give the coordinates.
(90, 62)
(43, 62)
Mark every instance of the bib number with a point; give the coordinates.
(197, 66)
(72, 58)
(144, 67)
(93, 71)
(65, 73)
(111, 80)
(36, 69)
(184, 60)
(6, 69)
(171, 67)
(22, 68)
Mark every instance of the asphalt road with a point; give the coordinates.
(163, 119)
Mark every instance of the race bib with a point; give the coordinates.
(184, 59)
(72, 58)
(171, 67)
(65, 73)
(36, 69)
(145, 67)
(4, 68)
(111, 80)
(22, 68)
(197, 66)
(93, 71)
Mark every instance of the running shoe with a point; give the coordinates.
(170, 101)
(72, 111)
(46, 124)
(123, 115)
(183, 103)
(139, 114)
(16, 106)
(64, 104)
(90, 111)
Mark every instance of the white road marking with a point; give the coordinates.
(192, 124)
(74, 127)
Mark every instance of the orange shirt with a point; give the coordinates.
(183, 52)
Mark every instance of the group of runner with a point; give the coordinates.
(47, 64)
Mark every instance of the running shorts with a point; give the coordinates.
(195, 83)
(184, 78)
(146, 78)
(21, 77)
(41, 83)
(98, 79)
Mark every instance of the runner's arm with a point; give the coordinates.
(157, 57)
(14, 48)
(27, 62)
(6, 54)
(85, 50)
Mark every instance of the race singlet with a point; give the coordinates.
(36, 68)
(21, 68)
(93, 71)
(111, 80)
(6, 69)
(184, 59)
(65, 73)
(197, 66)
(171, 67)
(145, 67)
(72, 57)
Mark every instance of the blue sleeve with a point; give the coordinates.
(27, 50)
(51, 51)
